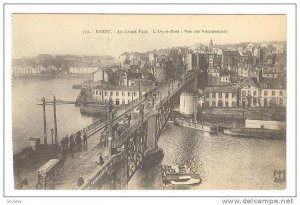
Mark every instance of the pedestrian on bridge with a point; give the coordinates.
(80, 181)
(85, 139)
(101, 161)
(129, 119)
(72, 143)
(78, 138)
(67, 141)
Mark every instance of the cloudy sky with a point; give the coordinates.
(34, 34)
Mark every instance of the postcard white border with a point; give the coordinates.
(288, 10)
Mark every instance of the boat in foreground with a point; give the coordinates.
(179, 175)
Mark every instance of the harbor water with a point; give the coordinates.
(27, 116)
(223, 162)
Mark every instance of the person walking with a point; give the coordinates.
(85, 139)
(72, 143)
(101, 161)
(80, 181)
(39, 180)
(129, 119)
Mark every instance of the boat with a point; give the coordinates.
(254, 133)
(206, 127)
(187, 180)
(179, 175)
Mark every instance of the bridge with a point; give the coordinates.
(126, 144)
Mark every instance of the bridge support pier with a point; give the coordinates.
(153, 154)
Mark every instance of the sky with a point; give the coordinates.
(76, 34)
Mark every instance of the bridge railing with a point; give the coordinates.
(95, 178)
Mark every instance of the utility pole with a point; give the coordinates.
(110, 127)
(45, 124)
(52, 135)
(132, 99)
(55, 122)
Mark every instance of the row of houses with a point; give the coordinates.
(248, 93)
(28, 70)
(119, 95)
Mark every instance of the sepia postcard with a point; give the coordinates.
(168, 102)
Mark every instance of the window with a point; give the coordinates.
(220, 95)
(207, 104)
(254, 93)
(265, 93)
(243, 93)
(213, 95)
(128, 93)
(117, 93)
(129, 101)
(207, 95)
(123, 93)
(123, 101)
(134, 93)
(226, 104)
(105, 93)
(226, 95)
(254, 101)
(100, 93)
(273, 92)
(265, 102)
(220, 103)
(111, 93)
(281, 93)
(280, 103)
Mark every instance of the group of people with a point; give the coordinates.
(67, 142)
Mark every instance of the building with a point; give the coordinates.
(102, 74)
(30, 70)
(242, 72)
(120, 95)
(257, 123)
(220, 96)
(197, 61)
(160, 74)
(213, 71)
(83, 68)
(273, 93)
(270, 73)
(230, 59)
(249, 93)
(225, 79)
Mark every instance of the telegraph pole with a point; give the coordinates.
(45, 123)
(52, 135)
(55, 122)
(110, 127)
